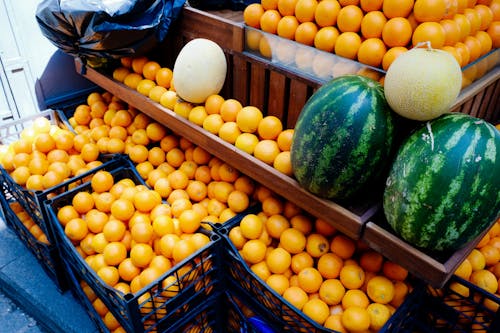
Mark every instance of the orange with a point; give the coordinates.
(474, 46)
(391, 55)
(371, 52)
(394, 271)
(474, 19)
(355, 297)
(429, 31)
(213, 103)
(266, 151)
(305, 10)
(246, 142)
(325, 38)
(109, 274)
(491, 254)
(283, 163)
(149, 70)
(141, 254)
(96, 220)
(317, 310)
(380, 289)
(182, 249)
(372, 24)
(122, 209)
(463, 52)
(189, 221)
(347, 45)
(276, 224)
(494, 32)
(379, 315)
(248, 119)
(400, 292)
(397, 8)
(253, 251)
(132, 80)
(300, 261)
(429, 10)
(120, 73)
(310, 279)
(326, 12)
(278, 260)
(485, 279)
(83, 202)
(316, 245)
(156, 131)
(495, 9)
(269, 4)
(145, 86)
(251, 226)
(82, 114)
(352, 276)
(114, 230)
(464, 25)
(278, 282)
(485, 41)
(329, 265)
(343, 246)
(349, 18)
(114, 253)
(464, 270)
(252, 14)
(371, 261)
(452, 31)
(397, 32)
(138, 63)
(287, 26)
(271, 205)
(102, 181)
(76, 229)
(269, 21)
(334, 322)
(269, 127)
(293, 240)
(356, 319)
(238, 201)
(142, 232)
(371, 5)
(331, 291)
(67, 213)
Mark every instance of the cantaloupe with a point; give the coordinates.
(423, 83)
(199, 70)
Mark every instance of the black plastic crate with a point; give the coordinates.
(152, 308)
(46, 252)
(450, 310)
(280, 314)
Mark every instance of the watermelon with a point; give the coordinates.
(343, 138)
(443, 188)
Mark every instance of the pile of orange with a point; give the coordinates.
(29, 223)
(376, 32)
(482, 266)
(243, 126)
(128, 236)
(334, 280)
(182, 173)
(45, 155)
(108, 319)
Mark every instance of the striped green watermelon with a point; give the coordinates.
(343, 138)
(443, 188)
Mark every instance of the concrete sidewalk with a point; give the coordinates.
(29, 300)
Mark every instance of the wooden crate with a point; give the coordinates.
(256, 81)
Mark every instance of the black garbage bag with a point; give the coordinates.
(106, 29)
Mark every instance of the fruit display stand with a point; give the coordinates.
(277, 91)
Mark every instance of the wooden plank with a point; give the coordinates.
(276, 104)
(240, 89)
(258, 86)
(435, 272)
(299, 93)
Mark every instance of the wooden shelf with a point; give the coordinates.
(348, 220)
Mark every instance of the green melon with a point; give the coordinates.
(443, 188)
(343, 138)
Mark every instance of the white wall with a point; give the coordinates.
(24, 52)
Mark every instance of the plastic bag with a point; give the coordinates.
(221, 4)
(106, 28)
